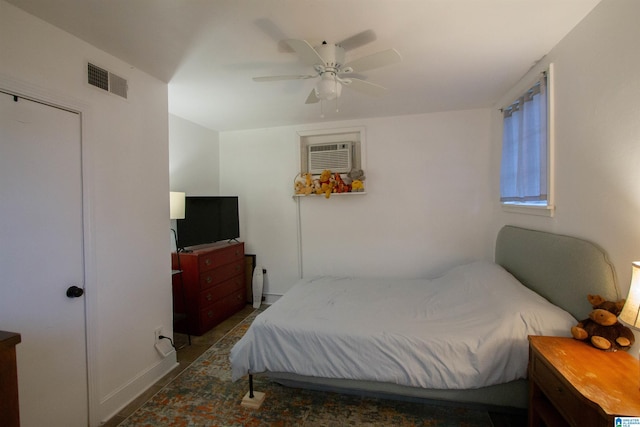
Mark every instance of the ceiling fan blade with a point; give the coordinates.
(358, 40)
(364, 86)
(277, 78)
(305, 51)
(312, 98)
(375, 60)
(275, 33)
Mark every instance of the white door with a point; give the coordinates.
(41, 256)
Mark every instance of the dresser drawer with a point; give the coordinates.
(219, 291)
(221, 309)
(220, 274)
(572, 408)
(220, 257)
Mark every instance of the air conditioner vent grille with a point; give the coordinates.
(107, 81)
(327, 147)
(333, 156)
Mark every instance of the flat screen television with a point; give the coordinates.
(208, 219)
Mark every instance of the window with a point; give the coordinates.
(525, 172)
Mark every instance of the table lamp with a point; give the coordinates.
(176, 210)
(631, 311)
(630, 314)
(176, 205)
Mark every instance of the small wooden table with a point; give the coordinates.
(572, 383)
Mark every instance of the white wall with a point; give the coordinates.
(597, 113)
(597, 82)
(193, 158)
(428, 204)
(259, 166)
(126, 146)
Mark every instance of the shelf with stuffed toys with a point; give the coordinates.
(328, 184)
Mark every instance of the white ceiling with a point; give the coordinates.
(457, 54)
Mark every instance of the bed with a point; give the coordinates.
(460, 337)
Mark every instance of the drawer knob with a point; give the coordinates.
(209, 297)
(209, 279)
(210, 314)
(207, 261)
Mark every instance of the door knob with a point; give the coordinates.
(75, 292)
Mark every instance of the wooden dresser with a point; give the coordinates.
(214, 285)
(574, 384)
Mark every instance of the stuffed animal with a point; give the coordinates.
(357, 186)
(298, 185)
(602, 328)
(303, 184)
(339, 185)
(356, 175)
(308, 184)
(326, 184)
(355, 179)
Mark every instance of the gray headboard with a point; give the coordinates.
(562, 269)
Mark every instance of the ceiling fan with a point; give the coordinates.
(328, 62)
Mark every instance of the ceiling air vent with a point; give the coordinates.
(105, 80)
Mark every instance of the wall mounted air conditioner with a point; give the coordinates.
(335, 156)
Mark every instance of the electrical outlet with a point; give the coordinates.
(158, 332)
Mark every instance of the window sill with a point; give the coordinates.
(547, 211)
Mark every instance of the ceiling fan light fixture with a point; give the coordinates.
(328, 62)
(328, 88)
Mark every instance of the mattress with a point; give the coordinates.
(466, 329)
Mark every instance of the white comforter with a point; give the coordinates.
(466, 329)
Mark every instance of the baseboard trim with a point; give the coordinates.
(118, 399)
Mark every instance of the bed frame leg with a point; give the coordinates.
(252, 400)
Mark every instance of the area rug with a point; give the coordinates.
(203, 395)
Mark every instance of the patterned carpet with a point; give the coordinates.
(203, 395)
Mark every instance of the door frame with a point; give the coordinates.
(45, 96)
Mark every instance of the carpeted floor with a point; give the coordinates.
(203, 395)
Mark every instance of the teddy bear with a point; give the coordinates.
(326, 183)
(602, 327)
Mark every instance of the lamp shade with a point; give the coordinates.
(631, 310)
(176, 205)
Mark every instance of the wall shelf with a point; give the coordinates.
(353, 193)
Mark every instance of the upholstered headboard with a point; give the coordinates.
(562, 269)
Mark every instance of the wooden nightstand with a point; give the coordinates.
(9, 407)
(572, 383)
